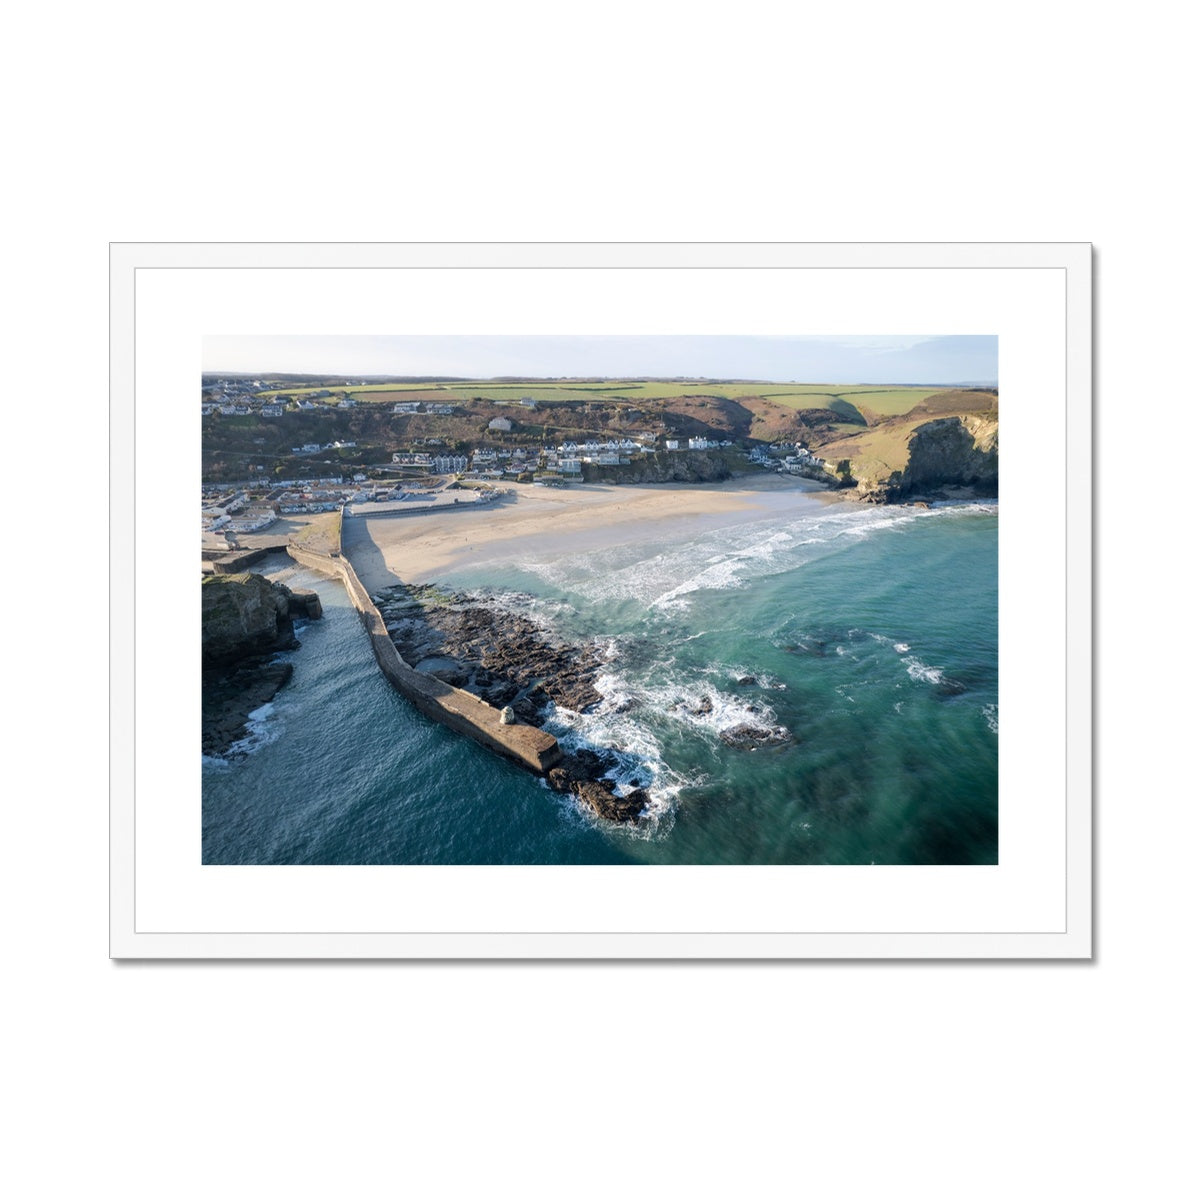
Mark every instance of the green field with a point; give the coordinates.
(883, 402)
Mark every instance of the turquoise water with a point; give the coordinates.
(870, 634)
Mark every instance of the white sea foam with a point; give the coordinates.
(902, 647)
(991, 714)
(734, 672)
(263, 727)
(638, 756)
(922, 672)
(624, 724)
(664, 580)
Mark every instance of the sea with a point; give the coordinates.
(865, 637)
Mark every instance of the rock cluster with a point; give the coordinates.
(950, 458)
(695, 466)
(750, 737)
(247, 615)
(245, 620)
(510, 662)
(582, 772)
(499, 655)
(229, 697)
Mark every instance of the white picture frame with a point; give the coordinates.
(1035, 904)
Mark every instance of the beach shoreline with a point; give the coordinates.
(387, 550)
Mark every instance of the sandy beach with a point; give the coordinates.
(418, 549)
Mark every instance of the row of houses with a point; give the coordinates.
(416, 406)
(241, 401)
(218, 520)
(316, 448)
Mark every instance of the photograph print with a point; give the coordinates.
(662, 600)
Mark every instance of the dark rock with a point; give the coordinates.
(559, 779)
(747, 681)
(304, 603)
(504, 656)
(245, 616)
(229, 697)
(750, 737)
(601, 797)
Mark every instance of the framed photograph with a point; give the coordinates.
(621, 601)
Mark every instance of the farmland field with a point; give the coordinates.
(881, 402)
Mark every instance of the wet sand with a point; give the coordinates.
(420, 549)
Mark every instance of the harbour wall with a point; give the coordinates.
(235, 563)
(453, 707)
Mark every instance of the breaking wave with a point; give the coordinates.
(665, 578)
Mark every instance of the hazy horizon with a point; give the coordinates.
(851, 359)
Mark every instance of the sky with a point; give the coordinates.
(885, 358)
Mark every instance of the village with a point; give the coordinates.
(428, 480)
(426, 472)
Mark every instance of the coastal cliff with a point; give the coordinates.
(246, 615)
(245, 620)
(946, 447)
(947, 458)
(694, 466)
(957, 452)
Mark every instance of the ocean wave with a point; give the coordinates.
(991, 714)
(637, 715)
(637, 757)
(664, 578)
(922, 672)
(261, 730)
(742, 675)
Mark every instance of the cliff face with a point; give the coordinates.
(694, 466)
(246, 615)
(956, 453)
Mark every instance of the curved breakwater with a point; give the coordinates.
(457, 709)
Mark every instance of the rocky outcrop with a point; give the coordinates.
(954, 452)
(948, 458)
(490, 650)
(751, 737)
(670, 466)
(480, 644)
(583, 773)
(245, 619)
(229, 697)
(246, 615)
